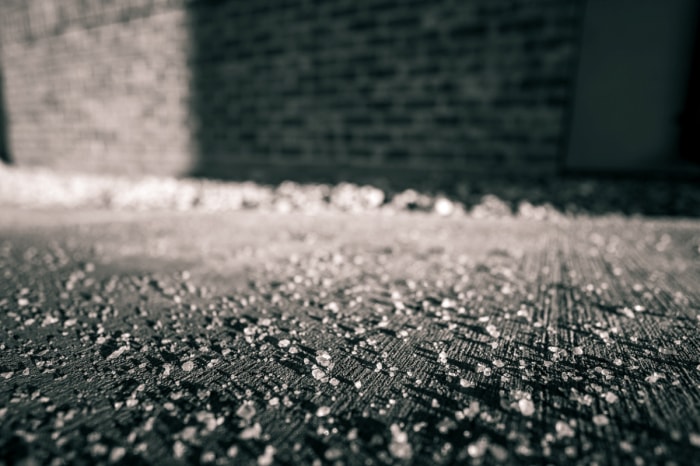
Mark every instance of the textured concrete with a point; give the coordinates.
(252, 338)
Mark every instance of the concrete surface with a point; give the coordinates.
(261, 338)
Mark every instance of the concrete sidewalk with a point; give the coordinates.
(267, 338)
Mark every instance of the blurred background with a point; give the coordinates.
(438, 95)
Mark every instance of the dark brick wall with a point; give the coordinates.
(480, 85)
(215, 87)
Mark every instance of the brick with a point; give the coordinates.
(178, 85)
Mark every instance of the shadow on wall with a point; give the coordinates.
(276, 95)
(225, 119)
(399, 96)
(360, 90)
(4, 144)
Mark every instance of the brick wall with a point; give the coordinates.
(220, 88)
(97, 85)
